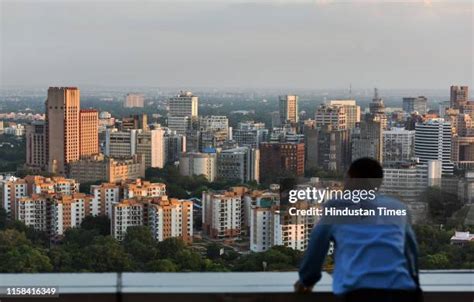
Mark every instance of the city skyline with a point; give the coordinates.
(211, 44)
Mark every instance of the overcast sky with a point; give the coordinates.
(248, 44)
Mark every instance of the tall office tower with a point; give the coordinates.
(175, 144)
(377, 110)
(334, 115)
(134, 100)
(281, 160)
(459, 96)
(311, 134)
(221, 213)
(195, 163)
(351, 109)
(35, 146)
(433, 142)
(333, 149)
(62, 127)
(367, 140)
(120, 144)
(137, 121)
(377, 105)
(151, 144)
(242, 164)
(213, 131)
(89, 132)
(398, 145)
(183, 109)
(415, 104)
(288, 109)
(250, 134)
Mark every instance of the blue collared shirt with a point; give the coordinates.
(377, 253)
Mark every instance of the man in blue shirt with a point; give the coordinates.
(375, 256)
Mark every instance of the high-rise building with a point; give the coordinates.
(213, 131)
(183, 108)
(407, 180)
(459, 96)
(415, 104)
(288, 105)
(351, 109)
(171, 218)
(36, 146)
(222, 213)
(134, 100)
(137, 121)
(463, 152)
(398, 145)
(195, 163)
(333, 115)
(175, 144)
(89, 129)
(270, 226)
(433, 142)
(250, 134)
(242, 163)
(107, 195)
(367, 140)
(151, 144)
(377, 106)
(120, 144)
(62, 127)
(164, 217)
(280, 160)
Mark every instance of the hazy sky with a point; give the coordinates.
(249, 44)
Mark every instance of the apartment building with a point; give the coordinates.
(222, 213)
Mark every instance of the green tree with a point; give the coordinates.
(99, 223)
(140, 246)
(19, 254)
(161, 265)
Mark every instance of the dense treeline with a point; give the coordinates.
(92, 249)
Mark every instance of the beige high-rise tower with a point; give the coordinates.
(288, 109)
(62, 127)
(88, 132)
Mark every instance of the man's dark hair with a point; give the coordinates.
(365, 173)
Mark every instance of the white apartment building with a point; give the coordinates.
(33, 212)
(106, 195)
(127, 213)
(222, 213)
(195, 163)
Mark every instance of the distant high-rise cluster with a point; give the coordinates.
(420, 144)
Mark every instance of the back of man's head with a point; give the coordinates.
(364, 173)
